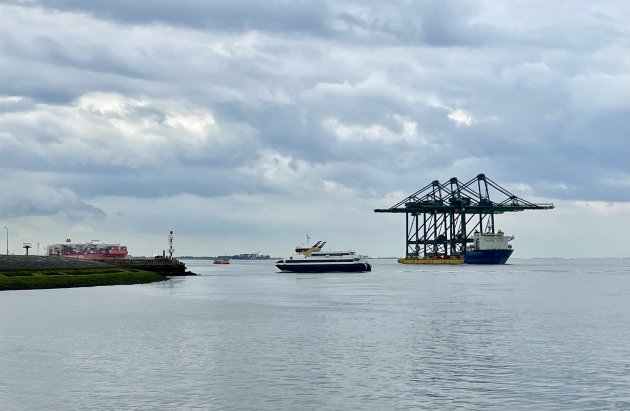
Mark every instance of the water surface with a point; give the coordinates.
(534, 334)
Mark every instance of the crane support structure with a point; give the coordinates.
(441, 217)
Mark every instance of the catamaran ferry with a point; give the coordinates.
(314, 260)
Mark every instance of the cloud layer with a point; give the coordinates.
(280, 118)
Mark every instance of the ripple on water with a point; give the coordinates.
(536, 334)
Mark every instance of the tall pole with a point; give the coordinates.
(7, 239)
(170, 244)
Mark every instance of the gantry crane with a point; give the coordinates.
(441, 217)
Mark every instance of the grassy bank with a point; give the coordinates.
(66, 278)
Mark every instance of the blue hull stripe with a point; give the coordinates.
(487, 256)
(324, 268)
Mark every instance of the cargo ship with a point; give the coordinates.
(250, 256)
(489, 248)
(93, 250)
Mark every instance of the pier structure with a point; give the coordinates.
(162, 265)
(441, 218)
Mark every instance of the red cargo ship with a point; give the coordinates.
(92, 250)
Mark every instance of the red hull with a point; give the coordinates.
(96, 256)
(93, 250)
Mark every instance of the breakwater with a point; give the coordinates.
(37, 272)
(164, 266)
(34, 262)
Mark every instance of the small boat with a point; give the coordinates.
(489, 248)
(314, 260)
(222, 259)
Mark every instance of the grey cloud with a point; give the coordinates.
(281, 16)
(438, 23)
(98, 59)
(22, 197)
(276, 90)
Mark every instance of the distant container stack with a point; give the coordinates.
(250, 256)
(93, 250)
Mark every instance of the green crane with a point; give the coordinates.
(441, 217)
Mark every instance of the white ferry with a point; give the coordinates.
(314, 260)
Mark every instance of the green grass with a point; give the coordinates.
(90, 277)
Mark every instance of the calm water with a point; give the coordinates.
(535, 334)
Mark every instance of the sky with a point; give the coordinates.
(244, 126)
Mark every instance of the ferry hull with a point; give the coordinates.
(487, 256)
(309, 267)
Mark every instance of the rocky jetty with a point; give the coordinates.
(35, 262)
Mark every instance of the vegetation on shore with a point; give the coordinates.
(66, 278)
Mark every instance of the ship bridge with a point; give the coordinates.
(442, 217)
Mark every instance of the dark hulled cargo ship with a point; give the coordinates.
(489, 249)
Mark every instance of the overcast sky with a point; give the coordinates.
(245, 125)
